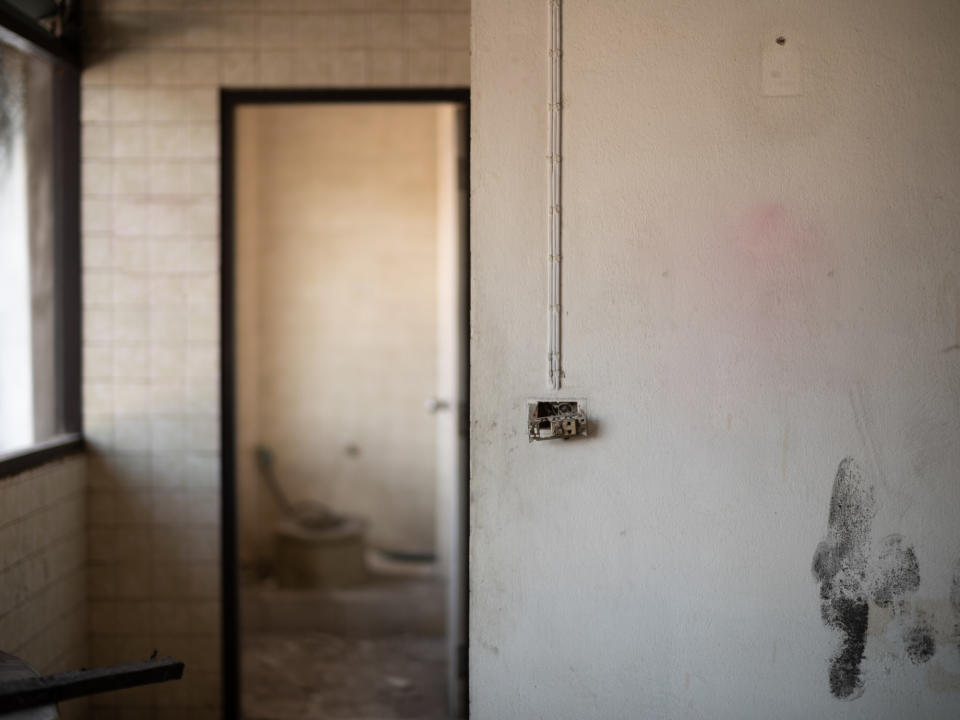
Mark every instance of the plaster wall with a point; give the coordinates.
(337, 314)
(755, 288)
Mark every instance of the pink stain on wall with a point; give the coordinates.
(775, 274)
(767, 235)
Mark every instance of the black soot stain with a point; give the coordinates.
(851, 617)
(897, 572)
(955, 602)
(919, 642)
(840, 565)
(955, 589)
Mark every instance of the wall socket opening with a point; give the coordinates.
(556, 419)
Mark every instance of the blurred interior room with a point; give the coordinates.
(348, 248)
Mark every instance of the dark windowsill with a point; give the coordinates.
(19, 461)
(22, 31)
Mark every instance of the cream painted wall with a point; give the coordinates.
(337, 316)
(754, 288)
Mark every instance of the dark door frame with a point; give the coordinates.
(229, 101)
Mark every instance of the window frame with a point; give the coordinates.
(20, 31)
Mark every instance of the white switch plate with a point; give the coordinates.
(780, 67)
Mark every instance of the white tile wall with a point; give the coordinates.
(151, 248)
(43, 568)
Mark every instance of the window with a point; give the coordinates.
(39, 252)
(27, 343)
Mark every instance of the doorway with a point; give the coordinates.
(344, 291)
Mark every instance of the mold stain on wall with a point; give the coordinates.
(898, 572)
(854, 578)
(840, 563)
(919, 641)
(955, 603)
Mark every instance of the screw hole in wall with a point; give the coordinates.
(781, 40)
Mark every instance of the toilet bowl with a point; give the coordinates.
(327, 557)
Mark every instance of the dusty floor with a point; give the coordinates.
(316, 675)
(375, 652)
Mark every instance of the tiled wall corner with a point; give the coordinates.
(150, 252)
(43, 612)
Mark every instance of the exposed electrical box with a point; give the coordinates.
(556, 419)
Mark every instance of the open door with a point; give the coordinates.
(239, 472)
(453, 328)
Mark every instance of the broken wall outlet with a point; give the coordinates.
(556, 419)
